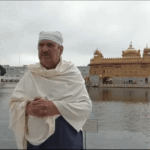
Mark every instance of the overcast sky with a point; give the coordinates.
(85, 25)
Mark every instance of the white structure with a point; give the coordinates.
(17, 72)
(84, 70)
(13, 73)
(94, 79)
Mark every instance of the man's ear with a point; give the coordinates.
(61, 49)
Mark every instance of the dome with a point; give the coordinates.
(130, 47)
(131, 52)
(147, 49)
(98, 54)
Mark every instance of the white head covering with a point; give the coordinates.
(54, 36)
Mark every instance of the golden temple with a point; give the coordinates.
(131, 64)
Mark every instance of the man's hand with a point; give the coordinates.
(30, 106)
(41, 108)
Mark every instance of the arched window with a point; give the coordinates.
(146, 80)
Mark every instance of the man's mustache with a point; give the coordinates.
(45, 54)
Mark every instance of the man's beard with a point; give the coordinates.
(47, 63)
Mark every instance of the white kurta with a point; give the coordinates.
(64, 86)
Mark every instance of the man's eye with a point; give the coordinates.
(49, 45)
(41, 45)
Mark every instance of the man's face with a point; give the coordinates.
(49, 53)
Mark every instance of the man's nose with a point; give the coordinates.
(45, 48)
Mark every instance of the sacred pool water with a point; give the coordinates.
(123, 116)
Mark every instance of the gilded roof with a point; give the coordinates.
(131, 51)
(98, 54)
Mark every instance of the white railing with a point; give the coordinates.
(124, 85)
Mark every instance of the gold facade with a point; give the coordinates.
(131, 64)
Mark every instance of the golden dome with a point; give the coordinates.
(98, 54)
(131, 49)
(146, 48)
(131, 52)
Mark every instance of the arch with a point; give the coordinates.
(146, 80)
(106, 80)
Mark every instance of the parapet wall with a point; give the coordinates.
(120, 60)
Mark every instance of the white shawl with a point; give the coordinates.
(63, 85)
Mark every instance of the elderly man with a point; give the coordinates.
(50, 104)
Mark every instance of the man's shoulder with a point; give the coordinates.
(72, 71)
(71, 66)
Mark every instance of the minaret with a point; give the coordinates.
(130, 44)
(98, 54)
(146, 52)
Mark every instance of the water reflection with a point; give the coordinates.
(123, 115)
(121, 108)
(120, 94)
(123, 118)
(7, 140)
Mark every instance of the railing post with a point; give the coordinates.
(84, 140)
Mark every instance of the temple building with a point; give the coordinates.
(130, 68)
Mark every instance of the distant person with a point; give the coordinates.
(2, 71)
(50, 104)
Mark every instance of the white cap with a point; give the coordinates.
(54, 36)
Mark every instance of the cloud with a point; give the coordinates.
(85, 25)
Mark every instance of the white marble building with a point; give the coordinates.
(16, 72)
(84, 70)
(13, 73)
